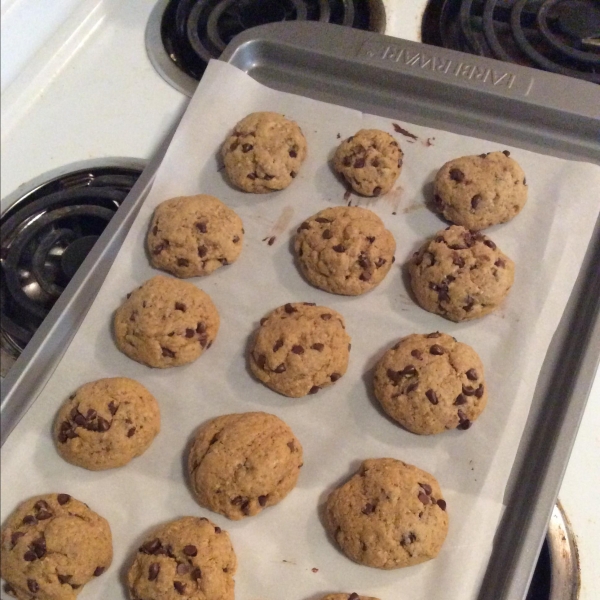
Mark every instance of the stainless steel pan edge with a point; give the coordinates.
(395, 78)
(485, 98)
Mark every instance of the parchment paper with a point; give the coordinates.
(284, 553)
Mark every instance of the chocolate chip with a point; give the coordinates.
(438, 200)
(39, 547)
(416, 353)
(202, 251)
(262, 500)
(183, 569)
(158, 249)
(339, 248)
(366, 276)
(435, 334)
(464, 423)
(470, 302)
(322, 220)
(457, 175)
(251, 176)
(500, 263)
(376, 191)
(189, 333)
(326, 317)
(151, 547)
(261, 361)
(353, 596)
(309, 303)
(30, 556)
(289, 309)
(411, 387)
(14, 538)
(359, 163)
(167, 352)
(467, 390)
(479, 391)
(80, 420)
(436, 350)
(247, 148)
(201, 327)
(368, 509)
(370, 239)
(190, 550)
(482, 155)
(183, 262)
(43, 515)
(103, 425)
(408, 371)
(91, 414)
(217, 530)
(475, 200)
(314, 389)
(423, 497)
(472, 375)
(237, 501)
(375, 162)
(64, 578)
(431, 396)
(296, 349)
(131, 432)
(380, 262)
(41, 504)
(271, 240)
(506, 152)
(334, 377)
(245, 506)
(180, 306)
(327, 235)
(179, 586)
(460, 399)
(426, 488)
(291, 445)
(442, 504)
(98, 571)
(236, 239)
(278, 344)
(459, 261)
(490, 244)
(293, 174)
(318, 347)
(33, 586)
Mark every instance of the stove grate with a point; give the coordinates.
(561, 36)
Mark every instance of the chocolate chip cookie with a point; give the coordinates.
(460, 275)
(192, 236)
(389, 515)
(370, 161)
(165, 323)
(480, 191)
(430, 383)
(52, 545)
(300, 348)
(352, 596)
(345, 250)
(264, 153)
(106, 423)
(242, 463)
(190, 557)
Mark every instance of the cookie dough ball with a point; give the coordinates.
(430, 383)
(264, 153)
(480, 191)
(345, 250)
(165, 323)
(193, 236)
(242, 463)
(352, 596)
(300, 348)
(189, 557)
(389, 515)
(106, 423)
(460, 275)
(370, 161)
(52, 545)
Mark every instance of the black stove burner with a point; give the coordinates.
(194, 31)
(45, 237)
(562, 36)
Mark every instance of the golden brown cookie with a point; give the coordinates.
(166, 322)
(192, 236)
(370, 161)
(460, 275)
(190, 558)
(345, 250)
(480, 191)
(242, 463)
(106, 423)
(52, 545)
(389, 515)
(300, 348)
(264, 153)
(430, 383)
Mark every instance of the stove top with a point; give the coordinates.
(561, 36)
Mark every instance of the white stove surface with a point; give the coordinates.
(77, 84)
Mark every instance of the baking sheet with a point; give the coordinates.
(340, 426)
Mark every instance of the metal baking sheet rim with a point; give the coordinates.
(392, 72)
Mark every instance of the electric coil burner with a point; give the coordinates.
(562, 36)
(183, 35)
(45, 236)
